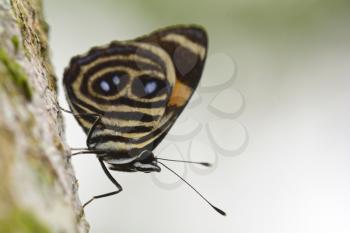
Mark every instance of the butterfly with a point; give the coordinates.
(128, 94)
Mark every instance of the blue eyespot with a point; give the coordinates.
(146, 86)
(110, 84)
(150, 87)
(116, 80)
(105, 86)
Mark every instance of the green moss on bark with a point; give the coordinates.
(22, 221)
(16, 73)
(15, 43)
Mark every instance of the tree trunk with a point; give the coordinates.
(38, 190)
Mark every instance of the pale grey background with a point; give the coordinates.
(292, 61)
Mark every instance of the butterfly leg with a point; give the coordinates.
(111, 178)
(89, 150)
(93, 127)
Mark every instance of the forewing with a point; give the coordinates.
(186, 50)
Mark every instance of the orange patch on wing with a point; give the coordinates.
(180, 95)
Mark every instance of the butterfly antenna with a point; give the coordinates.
(214, 207)
(186, 161)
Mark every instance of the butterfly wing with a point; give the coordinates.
(139, 87)
(186, 48)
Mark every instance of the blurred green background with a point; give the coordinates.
(292, 62)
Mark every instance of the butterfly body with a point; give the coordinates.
(128, 94)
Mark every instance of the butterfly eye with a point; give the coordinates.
(110, 83)
(149, 87)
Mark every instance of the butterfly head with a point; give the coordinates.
(144, 162)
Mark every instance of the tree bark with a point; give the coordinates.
(38, 189)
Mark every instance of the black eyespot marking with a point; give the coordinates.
(149, 87)
(110, 83)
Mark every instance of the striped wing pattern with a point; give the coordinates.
(138, 87)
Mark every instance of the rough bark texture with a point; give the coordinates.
(38, 190)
